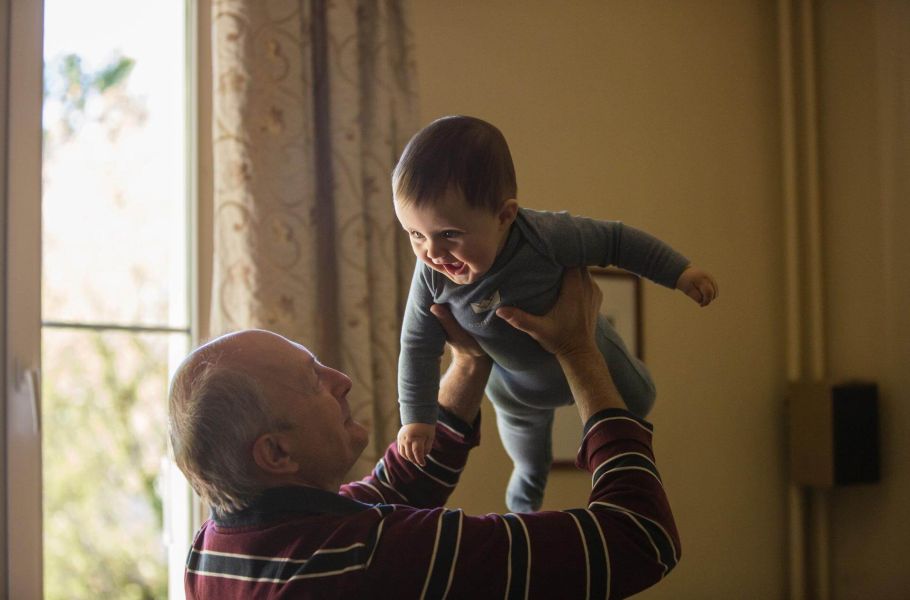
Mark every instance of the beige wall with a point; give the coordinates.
(665, 115)
(865, 134)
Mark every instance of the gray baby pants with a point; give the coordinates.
(524, 411)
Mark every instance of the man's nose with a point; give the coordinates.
(340, 383)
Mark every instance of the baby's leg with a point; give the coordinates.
(526, 435)
(630, 375)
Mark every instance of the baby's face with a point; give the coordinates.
(454, 238)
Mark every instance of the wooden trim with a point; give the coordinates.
(23, 305)
(4, 143)
(639, 303)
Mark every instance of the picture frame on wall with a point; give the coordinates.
(622, 305)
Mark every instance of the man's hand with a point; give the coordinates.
(568, 332)
(461, 342)
(415, 441)
(698, 285)
(569, 326)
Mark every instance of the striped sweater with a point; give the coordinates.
(388, 536)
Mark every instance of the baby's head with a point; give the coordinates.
(454, 189)
(458, 153)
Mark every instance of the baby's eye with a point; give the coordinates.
(416, 235)
(448, 235)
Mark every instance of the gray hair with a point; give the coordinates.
(215, 414)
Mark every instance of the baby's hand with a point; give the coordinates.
(415, 441)
(698, 285)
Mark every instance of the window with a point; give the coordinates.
(116, 295)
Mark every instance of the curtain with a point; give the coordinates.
(313, 102)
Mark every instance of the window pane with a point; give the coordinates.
(114, 251)
(104, 422)
(114, 185)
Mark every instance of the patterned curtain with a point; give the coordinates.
(313, 102)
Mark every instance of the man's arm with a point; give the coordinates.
(397, 480)
(621, 542)
(461, 389)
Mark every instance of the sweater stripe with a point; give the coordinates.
(446, 467)
(384, 511)
(584, 545)
(423, 593)
(665, 550)
(592, 426)
(382, 475)
(603, 542)
(275, 569)
(519, 557)
(445, 555)
(509, 557)
(372, 488)
(322, 563)
(625, 461)
(454, 431)
(595, 552)
(440, 475)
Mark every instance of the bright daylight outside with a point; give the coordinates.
(114, 299)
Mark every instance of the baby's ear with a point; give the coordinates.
(508, 212)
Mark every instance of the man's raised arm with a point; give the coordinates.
(399, 481)
(461, 388)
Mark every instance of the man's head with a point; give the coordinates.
(454, 190)
(253, 410)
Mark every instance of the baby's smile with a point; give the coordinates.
(454, 268)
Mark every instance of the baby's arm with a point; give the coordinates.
(460, 392)
(698, 285)
(578, 241)
(422, 344)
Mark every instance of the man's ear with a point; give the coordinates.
(271, 453)
(508, 212)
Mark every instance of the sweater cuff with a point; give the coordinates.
(613, 412)
(470, 433)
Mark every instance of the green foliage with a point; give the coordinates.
(114, 74)
(104, 423)
(104, 414)
(76, 81)
(104, 432)
(68, 81)
(72, 87)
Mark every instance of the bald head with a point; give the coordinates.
(252, 410)
(216, 410)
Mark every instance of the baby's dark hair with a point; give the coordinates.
(462, 153)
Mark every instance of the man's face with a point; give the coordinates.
(312, 398)
(454, 238)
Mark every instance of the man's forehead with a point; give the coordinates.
(263, 351)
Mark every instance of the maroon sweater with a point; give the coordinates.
(387, 535)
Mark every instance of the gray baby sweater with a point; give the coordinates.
(526, 274)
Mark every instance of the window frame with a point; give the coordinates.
(23, 91)
(21, 104)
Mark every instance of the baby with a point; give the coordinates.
(455, 195)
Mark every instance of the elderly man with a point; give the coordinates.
(263, 431)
